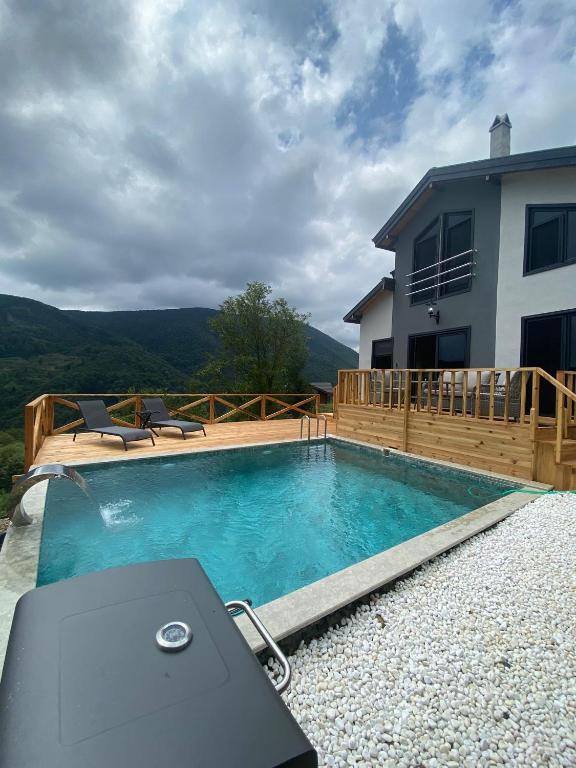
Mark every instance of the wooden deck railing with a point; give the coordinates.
(475, 393)
(499, 395)
(568, 379)
(50, 414)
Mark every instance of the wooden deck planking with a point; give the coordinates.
(481, 443)
(90, 448)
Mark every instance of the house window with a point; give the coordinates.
(382, 350)
(449, 349)
(439, 269)
(457, 239)
(426, 256)
(550, 237)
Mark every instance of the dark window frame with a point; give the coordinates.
(564, 262)
(465, 329)
(375, 341)
(525, 319)
(418, 298)
(441, 217)
(441, 293)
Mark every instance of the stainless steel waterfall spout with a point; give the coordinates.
(46, 472)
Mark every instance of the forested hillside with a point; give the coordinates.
(44, 349)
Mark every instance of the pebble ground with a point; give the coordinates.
(470, 661)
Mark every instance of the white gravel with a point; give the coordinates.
(469, 662)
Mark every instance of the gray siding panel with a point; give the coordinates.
(475, 308)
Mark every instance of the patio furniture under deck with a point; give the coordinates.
(455, 403)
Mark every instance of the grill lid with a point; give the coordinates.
(99, 672)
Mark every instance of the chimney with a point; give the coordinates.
(500, 136)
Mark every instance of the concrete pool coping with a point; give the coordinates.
(287, 615)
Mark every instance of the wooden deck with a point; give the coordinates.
(487, 419)
(52, 415)
(90, 448)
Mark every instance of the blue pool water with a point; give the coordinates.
(262, 521)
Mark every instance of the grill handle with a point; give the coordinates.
(241, 605)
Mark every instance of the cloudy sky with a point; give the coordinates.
(162, 153)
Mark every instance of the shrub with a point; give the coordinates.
(11, 463)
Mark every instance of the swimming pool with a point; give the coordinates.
(263, 521)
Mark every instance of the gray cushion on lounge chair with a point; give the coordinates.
(126, 433)
(160, 416)
(98, 420)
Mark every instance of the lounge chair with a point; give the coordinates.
(155, 414)
(97, 419)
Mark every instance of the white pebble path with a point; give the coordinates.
(469, 662)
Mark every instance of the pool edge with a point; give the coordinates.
(308, 605)
(301, 608)
(19, 558)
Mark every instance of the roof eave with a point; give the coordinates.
(492, 169)
(355, 314)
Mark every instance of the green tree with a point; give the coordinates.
(263, 343)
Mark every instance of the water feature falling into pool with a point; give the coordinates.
(37, 475)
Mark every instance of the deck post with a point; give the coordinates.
(138, 410)
(533, 470)
(211, 409)
(536, 397)
(29, 452)
(407, 396)
(559, 425)
(522, 418)
(49, 414)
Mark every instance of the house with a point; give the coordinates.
(374, 314)
(485, 266)
(323, 388)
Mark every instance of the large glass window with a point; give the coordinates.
(457, 239)
(439, 269)
(425, 256)
(448, 349)
(452, 349)
(382, 350)
(422, 351)
(550, 237)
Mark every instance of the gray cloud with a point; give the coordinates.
(157, 154)
(64, 44)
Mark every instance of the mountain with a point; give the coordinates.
(184, 339)
(44, 349)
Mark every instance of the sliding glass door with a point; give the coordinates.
(549, 342)
(447, 349)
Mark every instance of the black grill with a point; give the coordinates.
(87, 683)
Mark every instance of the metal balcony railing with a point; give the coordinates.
(437, 279)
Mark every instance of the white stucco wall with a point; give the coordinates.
(549, 291)
(376, 323)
